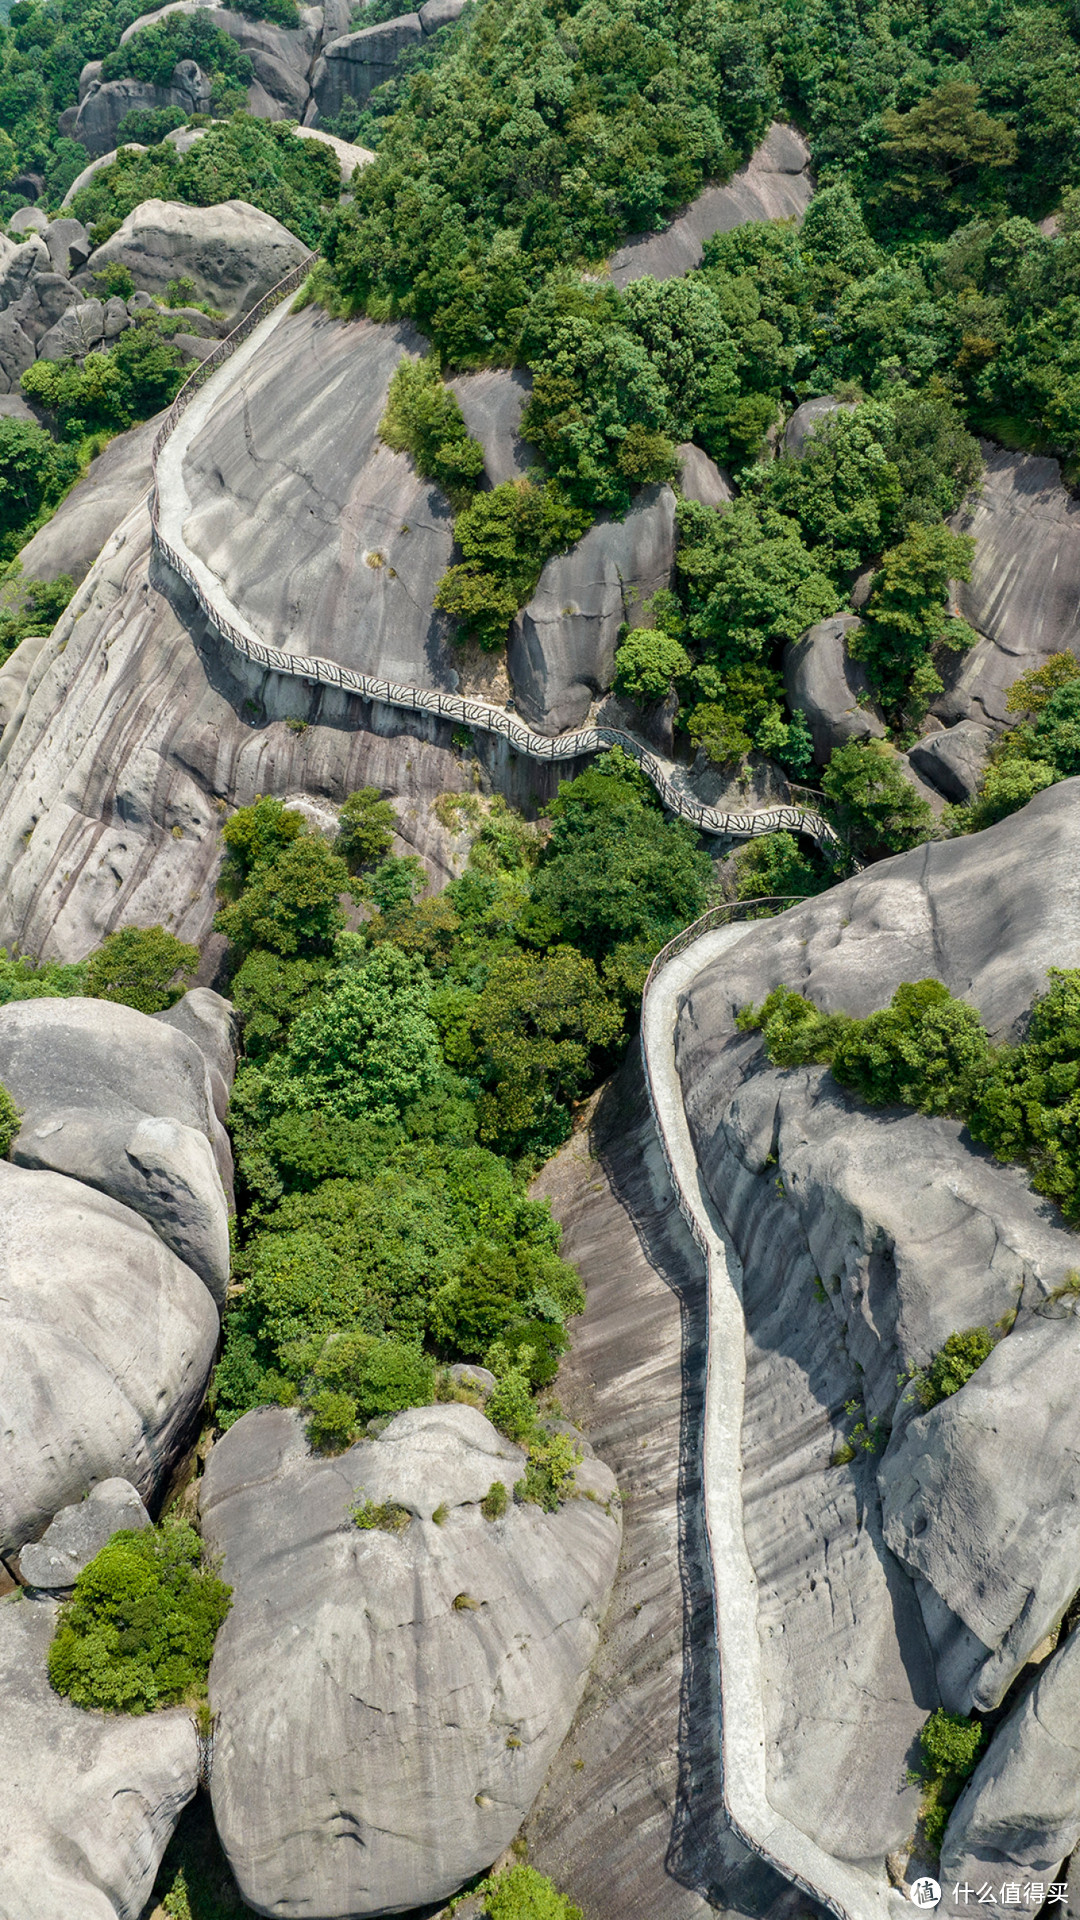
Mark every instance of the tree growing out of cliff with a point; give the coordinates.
(139, 967)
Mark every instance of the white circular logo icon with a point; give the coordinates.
(925, 1892)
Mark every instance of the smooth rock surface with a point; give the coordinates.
(386, 1713)
(830, 688)
(1019, 1815)
(807, 419)
(702, 479)
(1024, 592)
(113, 484)
(88, 1801)
(106, 1345)
(326, 540)
(355, 65)
(954, 761)
(773, 185)
(106, 103)
(232, 252)
(115, 1099)
(561, 651)
(208, 1019)
(492, 402)
(78, 1533)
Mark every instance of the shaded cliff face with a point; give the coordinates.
(933, 1570)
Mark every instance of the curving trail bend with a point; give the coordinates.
(167, 513)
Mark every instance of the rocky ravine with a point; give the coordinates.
(934, 1573)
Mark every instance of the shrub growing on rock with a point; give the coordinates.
(524, 1894)
(875, 806)
(139, 1630)
(647, 662)
(950, 1746)
(137, 966)
(366, 827)
(954, 1363)
(423, 418)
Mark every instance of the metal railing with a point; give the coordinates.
(451, 706)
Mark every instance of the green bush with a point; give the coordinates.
(147, 127)
(115, 278)
(35, 474)
(549, 1473)
(10, 1122)
(875, 807)
(505, 535)
(387, 1516)
(524, 1894)
(331, 1423)
(290, 903)
(378, 1376)
(646, 664)
(954, 1363)
(110, 390)
(423, 418)
(775, 864)
(950, 1747)
(137, 966)
(906, 619)
(366, 828)
(495, 1501)
(139, 1630)
(152, 53)
(29, 606)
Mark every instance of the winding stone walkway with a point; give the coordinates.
(846, 1890)
(169, 509)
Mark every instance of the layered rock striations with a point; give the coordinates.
(388, 1701)
(890, 1581)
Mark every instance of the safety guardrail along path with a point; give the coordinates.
(845, 1890)
(445, 706)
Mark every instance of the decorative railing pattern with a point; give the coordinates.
(451, 706)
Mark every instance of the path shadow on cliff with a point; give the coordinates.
(704, 1854)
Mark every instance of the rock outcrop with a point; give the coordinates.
(78, 1533)
(119, 1101)
(115, 482)
(806, 420)
(823, 682)
(954, 761)
(232, 252)
(88, 1801)
(492, 403)
(1019, 1816)
(773, 185)
(701, 479)
(561, 652)
(386, 1713)
(106, 1345)
(1024, 592)
(326, 540)
(866, 1237)
(104, 104)
(351, 67)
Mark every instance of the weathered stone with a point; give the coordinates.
(95, 166)
(106, 1345)
(16, 351)
(104, 104)
(830, 688)
(954, 761)
(352, 67)
(773, 185)
(325, 539)
(18, 265)
(912, 1233)
(439, 13)
(702, 479)
(402, 1692)
(349, 155)
(211, 1022)
(1024, 592)
(232, 252)
(281, 56)
(807, 419)
(116, 1099)
(492, 403)
(78, 331)
(69, 245)
(113, 484)
(1019, 1815)
(992, 1469)
(562, 644)
(29, 220)
(88, 1801)
(78, 1533)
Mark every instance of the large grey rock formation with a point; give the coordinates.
(387, 1711)
(120, 1101)
(562, 644)
(281, 56)
(211, 1022)
(701, 479)
(232, 252)
(830, 688)
(106, 1345)
(954, 761)
(806, 420)
(492, 403)
(325, 539)
(352, 66)
(104, 104)
(113, 484)
(954, 1495)
(773, 185)
(88, 1801)
(78, 1533)
(1024, 592)
(1019, 1816)
(866, 1237)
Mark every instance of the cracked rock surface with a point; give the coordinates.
(388, 1703)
